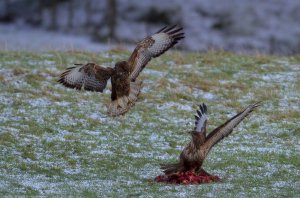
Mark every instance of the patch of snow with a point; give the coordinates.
(198, 93)
(15, 62)
(66, 120)
(39, 102)
(279, 184)
(169, 105)
(174, 80)
(8, 115)
(96, 116)
(276, 77)
(72, 171)
(187, 66)
(5, 100)
(224, 82)
(9, 129)
(156, 73)
(62, 103)
(171, 63)
(102, 152)
(20, 84)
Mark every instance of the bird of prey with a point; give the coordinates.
(194, 154)
(125, 85)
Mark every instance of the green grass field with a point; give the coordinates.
(57, 141)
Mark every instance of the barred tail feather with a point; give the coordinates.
(124, 103)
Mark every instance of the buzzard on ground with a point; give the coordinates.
(125, 85)
(194, 154)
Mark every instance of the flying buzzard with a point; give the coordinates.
(193, 155)
(125, 85)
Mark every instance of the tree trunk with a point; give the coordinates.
(39, 10)
(111, 17)
(53, 24)
(70, 14)
(88, 12)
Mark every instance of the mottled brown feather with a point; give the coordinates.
(225, 129)
(194, 154)
(120, 82)
(90, 77)
(125, 86)
(153, 46)
(128, 101)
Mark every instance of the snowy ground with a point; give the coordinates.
(58, 141)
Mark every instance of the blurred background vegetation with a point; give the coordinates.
(270, 26)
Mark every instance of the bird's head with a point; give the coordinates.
(122, 68)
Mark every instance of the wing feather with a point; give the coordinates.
(201, 119)
(90, 77)
(153, 46)
(225, 129)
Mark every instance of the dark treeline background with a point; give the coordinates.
(270, 26)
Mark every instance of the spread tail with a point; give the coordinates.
(121, 105)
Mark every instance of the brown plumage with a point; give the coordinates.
(194, 154)
(125, 85)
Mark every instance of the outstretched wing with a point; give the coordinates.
(90, 77)
(225, 129)
(153, 46)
